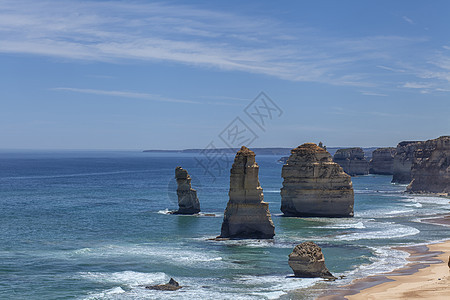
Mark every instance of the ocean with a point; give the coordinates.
(95, 225)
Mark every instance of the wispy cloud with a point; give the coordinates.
(116, 31)
(124, 94)
(408, 20)
(366, 93)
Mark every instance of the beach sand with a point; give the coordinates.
(432, 282)
(426, 277)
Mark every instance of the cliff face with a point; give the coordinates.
(430, 171)
(403, 161)
(246, 215)
(187, 197)
(352, 160)
(314, 185)
(382, 161)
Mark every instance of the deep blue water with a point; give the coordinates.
(94, 225)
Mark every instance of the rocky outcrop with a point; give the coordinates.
(246, 215)
(382, 161)
(314, 185)
(187, 197)
(307, 260)
(172, 285)
(430, 171)
(352, 160)
(403, 161)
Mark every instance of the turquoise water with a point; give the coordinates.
(94, 225)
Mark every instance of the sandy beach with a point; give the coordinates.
(432, 282)
(426, 277)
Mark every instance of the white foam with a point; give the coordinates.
(338, 224)
(164, 211)
(272, 191)
(128, 278)
(164, 254)
(380, 230)
(107, 294)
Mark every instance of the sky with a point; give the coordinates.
(188, 74)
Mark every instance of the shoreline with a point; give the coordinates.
(426, 276)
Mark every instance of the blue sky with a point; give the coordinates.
(173, 75)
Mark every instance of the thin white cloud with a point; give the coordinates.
(417, 85)
(408, 20)
(124, 94)
(373, 94)
(117, 31)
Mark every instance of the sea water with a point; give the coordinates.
(95, 225)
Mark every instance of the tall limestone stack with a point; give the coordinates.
(314, 185)
(430, 171)
(382, 161)
(187, 197)
(352, 160)
(403, 161)
(246, 215)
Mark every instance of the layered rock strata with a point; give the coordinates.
(352, 160)
(382, 161)
(187, 197)
(403, 160)
(307, 260)
(314, 185)
(246, 215)
(430, 171)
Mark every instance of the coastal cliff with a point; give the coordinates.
(382, 161)
(246, 215)
(187, 197)
(403, 160)
(430, 171)
(352, 160)
(314, 185)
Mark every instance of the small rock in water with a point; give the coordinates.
(306, 260)
(172, 285)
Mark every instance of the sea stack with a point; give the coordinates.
(352, 160)
(246, 215)
(314, 185)
(430, 171)
(187, 197)
(307, 260)
(382, 161)
(403, 161)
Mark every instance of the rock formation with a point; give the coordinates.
(187, 197)
(172, 285)
(314, 185)
(246, 215)
(307, 260)
(403, 161)
(382, 161)
(352, 160)
(430, 171)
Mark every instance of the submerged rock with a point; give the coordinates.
(187, 197)
(172, 285)
(352, 160)
(430, 171)
(403, 161)
(382, 161)
(314, 185)
(246, 215)
(307, 260)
